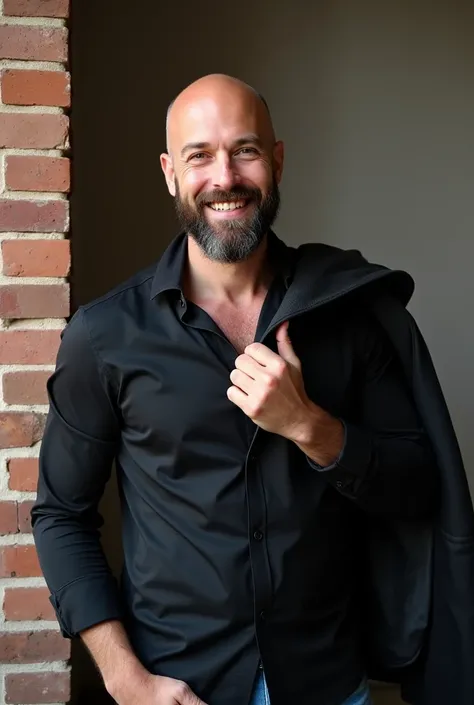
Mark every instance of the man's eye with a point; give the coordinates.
(199, 156)
(247, 150)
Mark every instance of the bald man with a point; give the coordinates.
(256, 415)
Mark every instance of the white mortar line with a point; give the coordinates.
(33, 236)
(33, 324)
(44, 666)
(32, 65)
(17, 496)
(22, 582)
(4, 279)
(34, 21)
(40, 109)
(17, 540)
(18, 367)
(34, 196)
(13, 627)
(10, 151)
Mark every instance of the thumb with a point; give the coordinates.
(285, 348)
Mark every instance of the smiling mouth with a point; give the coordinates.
(228, 205)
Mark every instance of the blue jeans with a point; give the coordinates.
(260, 694)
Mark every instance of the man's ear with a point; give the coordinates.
(168, 170)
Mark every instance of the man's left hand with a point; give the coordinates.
(269, 388)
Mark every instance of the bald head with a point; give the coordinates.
(213, 91)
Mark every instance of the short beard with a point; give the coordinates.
(231, 240)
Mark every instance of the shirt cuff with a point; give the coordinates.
(351, 467)
(86, 602)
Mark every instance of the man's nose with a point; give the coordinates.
(224, 175)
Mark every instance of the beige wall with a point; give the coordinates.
(374, 101)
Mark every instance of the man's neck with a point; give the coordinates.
(231, 283)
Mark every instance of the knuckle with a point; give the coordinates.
(181, 689)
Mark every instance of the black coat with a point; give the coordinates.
(420, 592)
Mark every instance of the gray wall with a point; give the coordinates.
(375, 102)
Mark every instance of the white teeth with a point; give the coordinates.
(229, 206)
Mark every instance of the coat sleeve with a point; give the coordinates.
(76, 457)
(387, 465)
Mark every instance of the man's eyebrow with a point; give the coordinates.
(193, 145)
(246, 139)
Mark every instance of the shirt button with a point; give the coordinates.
(262, 615)
(258, 536)
(260, 666)
(339, 485)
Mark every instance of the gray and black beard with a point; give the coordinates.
(229, 240)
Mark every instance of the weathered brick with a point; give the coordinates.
(33, 131)
(8, 518)
(28, 173)
(19, 429)
(27, 604)
(36, 8)
(36, 258)
(33, 216)
(27, 387)
(23, 474)
(33, 647)
(21, 87)
(24, 516)
(37, 688)
(33, 43)
(19, 562)
(29, 347)
(34, 301)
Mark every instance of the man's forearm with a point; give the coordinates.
(111, 650)
(322, 437)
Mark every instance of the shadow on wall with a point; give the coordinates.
(375, 104)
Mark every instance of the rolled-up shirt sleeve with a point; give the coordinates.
(77, 452)
(386, 464)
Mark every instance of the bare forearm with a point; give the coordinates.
(111, 650)
(322, 436)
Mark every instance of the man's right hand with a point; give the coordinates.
(155, 690)
(126, 679)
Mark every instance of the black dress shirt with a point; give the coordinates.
(239, 551)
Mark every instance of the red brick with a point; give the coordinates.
(8, 518)
(36, 88)
(37, 688)
(23, 474)
(37, 173)
(33, 216)
(18, 429)
(33, 43)
(24, 516)
(25, 387)
(29, 347)
(27, 604)
(36, 258)
(33, 647)
(36, 8)
(19, 562)
(34, 301)
(28, 131)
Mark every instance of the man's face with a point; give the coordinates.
(224, 170)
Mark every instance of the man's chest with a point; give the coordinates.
(175, 393)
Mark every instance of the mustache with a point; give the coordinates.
(238, 193)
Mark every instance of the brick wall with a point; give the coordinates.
(34, 301)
